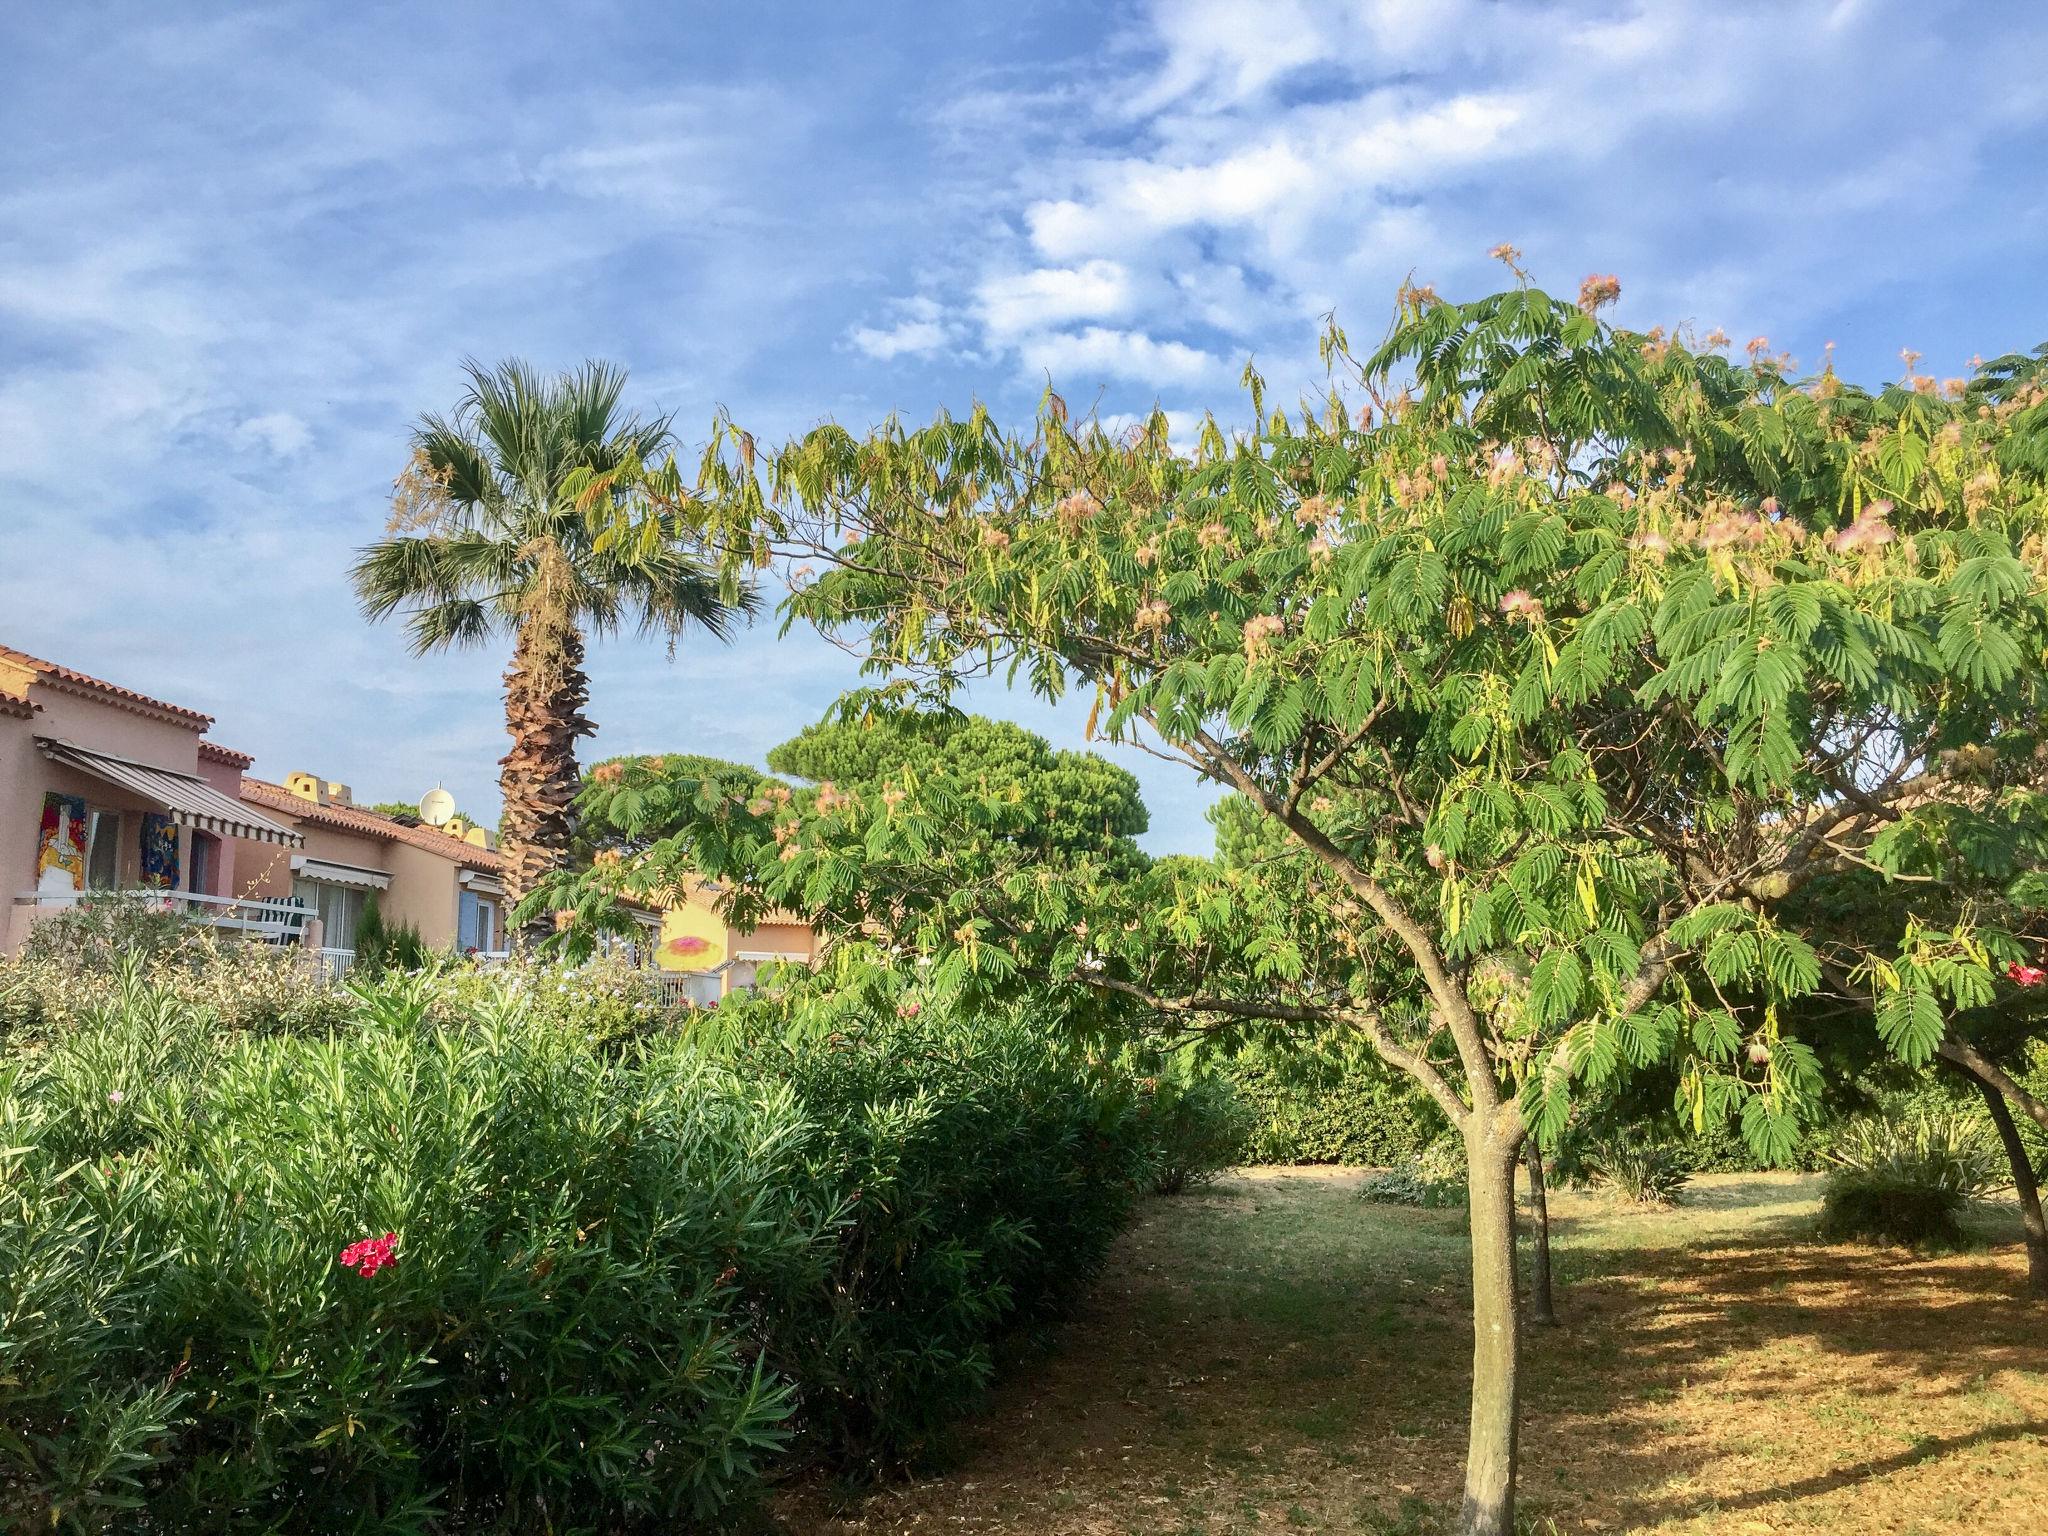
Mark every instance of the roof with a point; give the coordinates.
(353, 818)
(73, 681)
(214, 752)
(191, 801)
(19, 709)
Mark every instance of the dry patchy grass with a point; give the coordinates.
(1274, 1354)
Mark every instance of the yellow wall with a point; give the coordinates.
(691, 922)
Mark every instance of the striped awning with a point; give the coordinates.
(192, 802)
(327, 872)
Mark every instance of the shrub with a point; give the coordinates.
(630, 1274)
(1908, 1179)
(241, 987)
(1435, 1177)
(383, 946)
(1638, 1170)
(1198, 1126)
(562, 1334)
(985, 1165)
(1334, 1108)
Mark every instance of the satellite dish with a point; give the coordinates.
(437, 806)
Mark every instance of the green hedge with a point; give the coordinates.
(1311, 1108)
(632, 1277)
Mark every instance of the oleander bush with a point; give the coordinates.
(1198, 1125)
(425, 1272)
(1908, 1179)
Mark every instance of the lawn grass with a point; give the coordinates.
(1274, 1354)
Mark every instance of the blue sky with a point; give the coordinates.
(240, 249)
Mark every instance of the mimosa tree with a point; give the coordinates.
(1557, 670)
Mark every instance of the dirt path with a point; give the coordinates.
(1274, 1354)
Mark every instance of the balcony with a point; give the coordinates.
(273, 920)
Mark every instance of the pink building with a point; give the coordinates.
(104, 789)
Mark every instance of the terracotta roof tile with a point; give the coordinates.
(353, 818)
(214, 752)
(62, 676)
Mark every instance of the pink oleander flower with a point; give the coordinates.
(2025, 975)
(116, 1097)
(909, 1009)
(370, 1254)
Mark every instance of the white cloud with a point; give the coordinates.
(922, 331)
(1019, 303)
(279, 432)
(1078, 359)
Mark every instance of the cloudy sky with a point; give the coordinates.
(240, 249)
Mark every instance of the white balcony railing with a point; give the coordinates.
(277, 918)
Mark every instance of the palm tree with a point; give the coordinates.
(493, 532)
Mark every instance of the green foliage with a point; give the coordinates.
(631, 1277)
(1906, 1179)
(55, 987)
(381, 947)
(1320, 1108)
(1434, 1178)
(1552, 684)
(503, 518)
(1638, 1169)
(1199, 1126)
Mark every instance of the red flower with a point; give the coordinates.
(2026, 975)
(370, 1255)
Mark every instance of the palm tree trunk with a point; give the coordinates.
(545, 692)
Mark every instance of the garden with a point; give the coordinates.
(1632, 849)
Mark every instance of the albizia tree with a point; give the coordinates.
(1560, 671)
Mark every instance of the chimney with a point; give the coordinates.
(310, 786)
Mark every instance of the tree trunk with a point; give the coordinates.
(1489, 1507)
(1541, 1307)
(545, 691)
(2024, 1185)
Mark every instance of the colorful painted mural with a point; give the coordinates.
(60, 862)
(159, 851)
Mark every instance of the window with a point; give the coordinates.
(476, 925)
(102, 850)
(202, 860)
(339, 908)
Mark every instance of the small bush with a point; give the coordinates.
(1908, 1179)
(1648, 1173)
(1434, 1178)
(1197, 1126)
